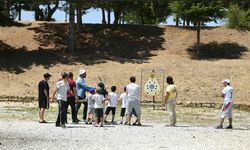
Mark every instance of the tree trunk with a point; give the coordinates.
(7, 13)
(109, 15)
(177, 21)
(71, 44)
(117, 15)
(79, 17)
(19, 11)
(103, 16)
(52, 11)
(198, 37)
(188, 23)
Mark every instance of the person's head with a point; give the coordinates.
(101, 85)
(98, 90)
(82, 73)
(226, 82)
(132, 79)
(47, 76)
(65, 76)
(113, 88)
(70, 75)
(170, 80)
(92, 91)
(125, 89)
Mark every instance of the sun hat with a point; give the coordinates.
(82, 71)
(227, 81)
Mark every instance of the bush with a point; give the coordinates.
(238, 18)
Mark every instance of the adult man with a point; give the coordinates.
(43, 96)
(133, 103)
(226, 112)
(72, 97)
(81, 88)
(62, 87)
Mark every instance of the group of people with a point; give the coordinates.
(74, 93)
(94, 99)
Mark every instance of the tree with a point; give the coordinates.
(71, 43)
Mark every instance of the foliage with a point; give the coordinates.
(237, 18)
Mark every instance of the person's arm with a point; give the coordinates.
(74, 93)
(46, 94)
(53, 96)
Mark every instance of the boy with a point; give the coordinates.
(226, 112)
(111, 104)
(91, 102)
(62, 86)
(124, 99)
(98, 105)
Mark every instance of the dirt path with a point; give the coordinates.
(32, 135)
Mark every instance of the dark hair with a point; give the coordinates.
(113, 88)
(132, 79)
(125, 89)
(70, 75)
(64, 75)
(170, 80)
(101, 85)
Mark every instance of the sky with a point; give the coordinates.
(94, 16)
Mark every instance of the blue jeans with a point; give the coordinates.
(85, 108)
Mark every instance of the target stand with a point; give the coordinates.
(152, 83)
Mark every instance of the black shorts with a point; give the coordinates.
(43, 103)
(123, 110)
(110, 109)
(98, 112)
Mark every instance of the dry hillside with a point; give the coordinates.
(116, 53)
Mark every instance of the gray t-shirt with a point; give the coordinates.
(133, 92)
(91, 100)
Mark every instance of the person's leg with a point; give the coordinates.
(107, 113)
(129, 112)
(41, 114)
(63, 112)
(73, 110)
(58, 121)
(171, 110)
(85, 109)
(77, 106)
(113, 114)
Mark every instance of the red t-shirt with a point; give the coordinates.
(72, 84)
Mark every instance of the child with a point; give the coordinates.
(226, 112)
(91, 102)
(111, 104)
(98, 105)
(124, 99)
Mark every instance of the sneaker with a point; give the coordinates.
(139, 124)
(58, 125)
(125, 123)
(63, 126)
(229, 127)
(134, 124)
(86, 123)
(75, 122)
(105, 121)
(121, 122)
(90, 122)
(219, 127)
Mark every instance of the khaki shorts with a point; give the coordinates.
(133, 104)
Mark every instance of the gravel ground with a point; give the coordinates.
(32, 135)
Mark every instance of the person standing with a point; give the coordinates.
(226, 111)
(72, 97)
(123, 98)
(134, 103)
(62, 86)
(170, 100)
(43, 96)
(113, 96)
(81, 88)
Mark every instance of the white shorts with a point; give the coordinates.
(226, 111)
(91, 110)
(133, 104)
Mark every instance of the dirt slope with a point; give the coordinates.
(116, 53)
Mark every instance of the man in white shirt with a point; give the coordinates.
(226, 112)
(62, 87)
(133, 103)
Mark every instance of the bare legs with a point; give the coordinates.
(41, 114)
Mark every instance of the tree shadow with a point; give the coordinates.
(8, 22)
(215, 50)
(97, 44)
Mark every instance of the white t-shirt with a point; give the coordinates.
(124, 98)
(91, 100)
(113, 99)
(98, 100)
(228, 93)
(133, 91)
(62, 88)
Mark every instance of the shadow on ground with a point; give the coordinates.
(215, 50)
(97, 44)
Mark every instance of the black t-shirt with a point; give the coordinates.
(41, 87)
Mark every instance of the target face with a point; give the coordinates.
(152, 87)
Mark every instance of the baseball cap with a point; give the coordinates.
(227, 81)
(47, 75)
(82, 71)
